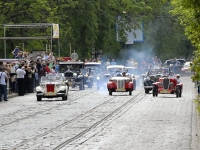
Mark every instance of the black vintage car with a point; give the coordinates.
(73, 73)
(153, 76)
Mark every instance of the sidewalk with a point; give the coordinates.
(11, 95)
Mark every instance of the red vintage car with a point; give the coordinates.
(167, 85)
(120, 84)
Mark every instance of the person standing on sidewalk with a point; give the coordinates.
(20, 80)
(3, 86)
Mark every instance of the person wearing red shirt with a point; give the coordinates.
(47, 69)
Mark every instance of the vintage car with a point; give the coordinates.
(52, 86)
(95, 69)
(102, 80)
(75, 74)
(153, 76)
(113, 69)
(167, 85)
(186, 69)
(120, 84)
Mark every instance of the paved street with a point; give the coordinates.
(94, 120)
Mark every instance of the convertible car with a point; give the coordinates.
(152, 76)
(167, 85)
(120, 84)
(52, 86)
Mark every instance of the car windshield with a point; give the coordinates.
(131, 70)
(93, 67)
(52, 78)
(115, 70)
(72, 67)
(164, 71)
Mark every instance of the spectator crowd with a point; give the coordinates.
(23, 73)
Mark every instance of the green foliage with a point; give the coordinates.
(88, 24)
(188, 13)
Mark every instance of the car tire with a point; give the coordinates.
(147, 91)
(39, 98)
(155, 91)
(177, 91)
(110, 92)
(134, 85)
(130, 92)
(90, 85)
(81, 85)
(180, 92)
(64, 97)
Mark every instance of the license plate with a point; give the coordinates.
(120, 90)
(51, 93)
(165, 91)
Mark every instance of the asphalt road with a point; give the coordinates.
(93, 120)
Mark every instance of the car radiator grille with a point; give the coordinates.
(50, 87)
(165, 83)
(120, 83)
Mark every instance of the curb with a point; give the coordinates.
(12, 95)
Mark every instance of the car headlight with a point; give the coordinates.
(57, 85)
(98, 78)
(74, 74)
(42, 85)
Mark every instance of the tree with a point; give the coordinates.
(188, 13)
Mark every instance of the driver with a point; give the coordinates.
(178, 78)
(124, 74)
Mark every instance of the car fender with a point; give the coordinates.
(39, 89)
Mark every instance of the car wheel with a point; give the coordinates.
(64, 97)
(81, 85)
(147, 91)
(155, 91)
(134, 85)
(110, 92)
(180, 92)
(177, 91)
(130, 92)
(39, 98)
(89, 85)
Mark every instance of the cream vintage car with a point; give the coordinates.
(52, 85)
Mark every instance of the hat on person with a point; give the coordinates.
(178, 75)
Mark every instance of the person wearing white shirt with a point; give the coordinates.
(178, 78)
(20, 80)
(3, 86)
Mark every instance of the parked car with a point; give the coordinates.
(72, 70)
(169, 62)
(52, 86)
(167, 85)
(186, 69)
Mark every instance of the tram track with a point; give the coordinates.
(113, 114)
(114, 100)
(6, 119)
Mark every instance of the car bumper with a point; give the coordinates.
(50, 95)
(148, 87)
